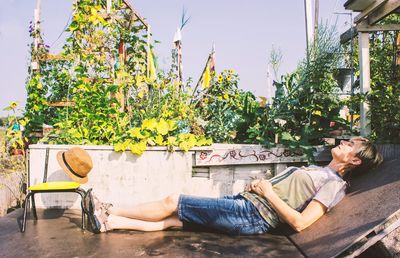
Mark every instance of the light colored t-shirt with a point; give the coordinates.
(331, 188)
(297, 187)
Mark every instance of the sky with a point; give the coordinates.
(244, 33)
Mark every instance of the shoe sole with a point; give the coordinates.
(89, 206)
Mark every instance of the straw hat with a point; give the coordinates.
(76, 163)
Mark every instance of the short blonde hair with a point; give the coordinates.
(368, 154)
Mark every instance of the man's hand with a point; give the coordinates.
(261, 187)
(248, 187)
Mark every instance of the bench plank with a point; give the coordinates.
(371, 200)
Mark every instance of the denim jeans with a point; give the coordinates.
(233, 215)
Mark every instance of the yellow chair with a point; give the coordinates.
(51, 187)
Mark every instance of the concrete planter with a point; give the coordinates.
(125, 179)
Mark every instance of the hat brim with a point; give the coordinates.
(81, 180)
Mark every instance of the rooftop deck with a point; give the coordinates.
(57, 233)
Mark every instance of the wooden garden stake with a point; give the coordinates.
(109, 2)
(398, 49)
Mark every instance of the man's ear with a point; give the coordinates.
(356, 161)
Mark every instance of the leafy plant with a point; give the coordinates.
(383, 97)
(306, 105)
(15, 141)
(224, 110)
(103, 75)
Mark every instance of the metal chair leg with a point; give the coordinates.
(34, 206)
(25, 211)
(82, 194)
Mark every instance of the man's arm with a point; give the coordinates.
(298, 221)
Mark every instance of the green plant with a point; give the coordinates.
(15, 141)
(306, 105)
(106, 74)
(383, 98)
(224, 110)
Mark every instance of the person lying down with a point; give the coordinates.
(298, 197)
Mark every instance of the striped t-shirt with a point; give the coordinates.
(297, 187)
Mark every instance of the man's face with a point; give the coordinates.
(346, 152)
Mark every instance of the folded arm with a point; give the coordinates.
(298, 221)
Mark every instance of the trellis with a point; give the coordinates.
(124, 17)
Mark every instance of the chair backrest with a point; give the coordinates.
(46, 165)
(372, 199)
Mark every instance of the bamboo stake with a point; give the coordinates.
(36, 40)
(109, 7)
(36, 15)
(136, 13)
(316, 17)
(202, 73)
(309, 36)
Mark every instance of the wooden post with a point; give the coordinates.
(36, 15)
(309, 36)
(36, 40)
(365, 81)
(398, 49)
(316, 9)
(109, 6)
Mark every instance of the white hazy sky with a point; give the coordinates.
(244, 33)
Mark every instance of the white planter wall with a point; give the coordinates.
(125, 179)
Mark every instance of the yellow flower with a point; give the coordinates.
(220, 78)
(263, 101)
(317, 113)
(231, 71)
(13, 105)
(228, 78)
(226, 96)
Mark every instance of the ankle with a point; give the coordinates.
(110, 210)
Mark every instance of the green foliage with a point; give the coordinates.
(14, 139)
(103, 74)
(305, 104)
(225, 110)
(3, 121)
(383, 97)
